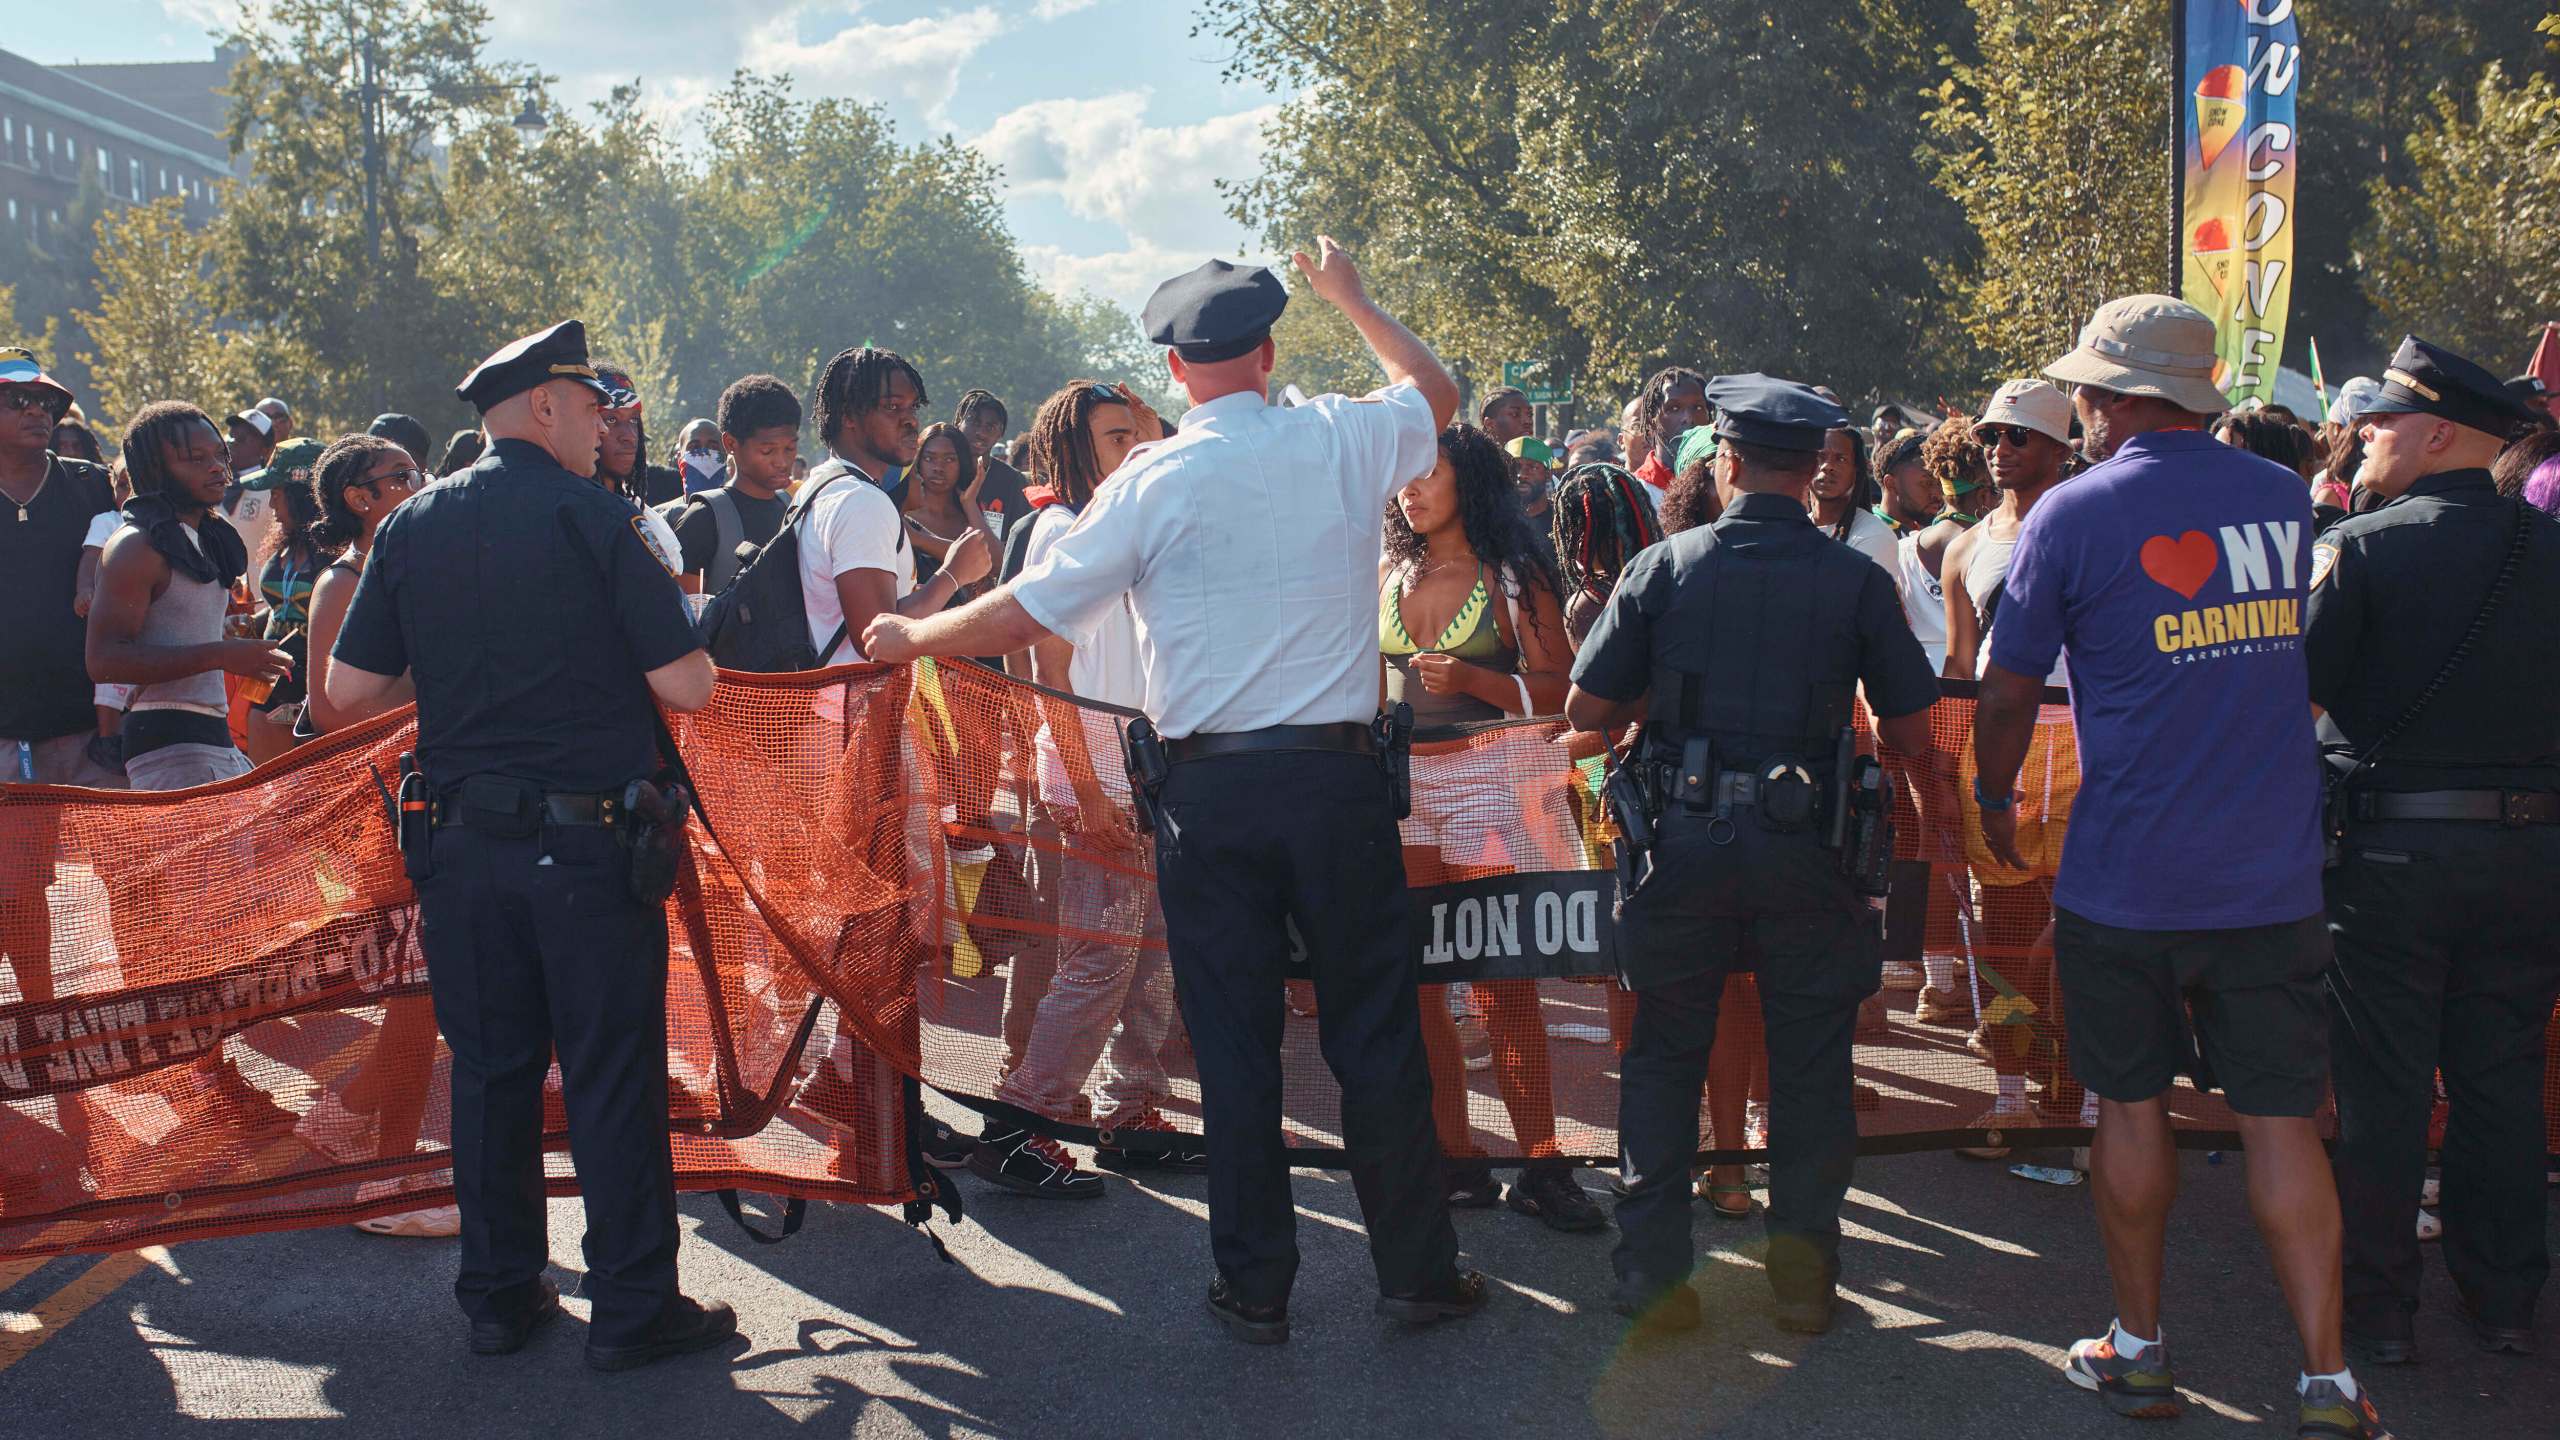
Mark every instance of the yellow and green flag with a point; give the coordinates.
(2239, 75)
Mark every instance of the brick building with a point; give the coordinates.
(139, 131)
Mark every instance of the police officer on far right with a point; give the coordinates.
(2434, 657)
(1745, 643)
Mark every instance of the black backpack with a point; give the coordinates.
(759, 622)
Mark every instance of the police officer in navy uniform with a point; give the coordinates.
(2441, 906)
(1248, 546)
(1744, 644)
(540, 630)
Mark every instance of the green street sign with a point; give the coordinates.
(1543, 383)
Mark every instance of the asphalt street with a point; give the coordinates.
(1063, 1319)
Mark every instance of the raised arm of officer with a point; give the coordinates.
(1336, 281)
(1104, 555)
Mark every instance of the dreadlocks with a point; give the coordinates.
(854, 383)
(153, 429)
(1864, 491)
(1601, 520)
(1058, 448)
(1657, 393)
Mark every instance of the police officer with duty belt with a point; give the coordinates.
(1248, 544)
(1753, 826)
(540, 629)
(2435, 660)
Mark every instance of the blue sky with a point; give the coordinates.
(1111, 122)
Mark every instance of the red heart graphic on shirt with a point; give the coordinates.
(2183, 564)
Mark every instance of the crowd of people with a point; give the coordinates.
(178, 613)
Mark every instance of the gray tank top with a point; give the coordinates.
(189, 612)
(1985, 568)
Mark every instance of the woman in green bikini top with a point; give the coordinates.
(1469, 624)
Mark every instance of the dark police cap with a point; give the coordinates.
(2428, 379)
(2527, 388)
(1216, 312)
(1761, 409)
(559, 353)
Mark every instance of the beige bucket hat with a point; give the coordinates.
(2035, 404)
(2147, 345)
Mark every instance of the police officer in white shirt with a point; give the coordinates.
(1247, 545)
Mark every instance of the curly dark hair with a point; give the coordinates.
(1489, 511)
(341, 465)
(1953, 457)
(1693, 499)
(757, 402)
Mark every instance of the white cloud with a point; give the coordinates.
(1158, 183)
(916, 61)
(1126, 277)
(1052, 9)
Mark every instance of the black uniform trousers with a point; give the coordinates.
(2448, 957)
(1248, 844)
(534, 943)
(1814, 967)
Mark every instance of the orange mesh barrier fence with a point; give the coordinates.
(214, 1013)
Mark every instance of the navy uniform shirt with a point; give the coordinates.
(2392, 590)
(1669, 613)
(530, 611)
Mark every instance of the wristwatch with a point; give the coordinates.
(1994, 804)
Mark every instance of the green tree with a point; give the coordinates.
(2055, 145)
(1607, 186)
(2368, 70)
(293, 244)
(2469, 254)
(156, 331)
(801, 228)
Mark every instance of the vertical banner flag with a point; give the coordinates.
(2239, 64)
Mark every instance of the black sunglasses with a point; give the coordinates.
(28, 397)
(2015, 434)
(1104, 395)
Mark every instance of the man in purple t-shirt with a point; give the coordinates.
(2171, 576)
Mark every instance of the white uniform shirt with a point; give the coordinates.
(1110, 669)
(853, 525)
(1248, 546)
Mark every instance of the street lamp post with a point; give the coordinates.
(370, 95)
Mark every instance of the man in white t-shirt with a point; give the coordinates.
(855, 561)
